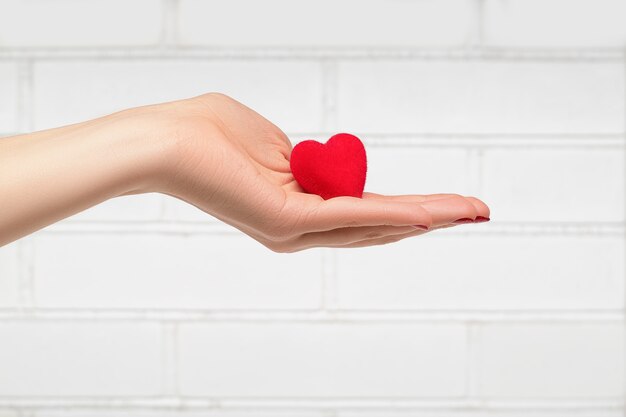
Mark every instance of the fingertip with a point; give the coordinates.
(481, 208)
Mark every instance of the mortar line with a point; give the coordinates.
(26, 274)
(474, 334)
(473, 140)
(170, 382)
(303, 53)
(328, 124)
(334, 404)
(624, 232)
(355, 317)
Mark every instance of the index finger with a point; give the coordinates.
(317, 215)
(443, 207)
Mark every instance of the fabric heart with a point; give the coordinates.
(336, 168)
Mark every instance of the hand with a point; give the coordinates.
(213, 152)
(234, 164)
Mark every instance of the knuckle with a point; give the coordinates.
(456, 197)
(373, 235)
(470, 207)
(275, 234)
(278, 225)
(423, 217)
(280, 238)
(278, 248)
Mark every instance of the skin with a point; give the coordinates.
(210, 151)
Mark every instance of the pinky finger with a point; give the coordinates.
(382, 240)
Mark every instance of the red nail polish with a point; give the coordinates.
(481, 219)
(463, 221)
(421, 227)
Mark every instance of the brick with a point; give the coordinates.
(552, 360)
(287, 93)
(322, 360)
(8, 98)
(328, 23)
(555, 23)
(436, 96)
(230, 271)
(79, 359)
(484, 272)
(9, 270)
(68, 23)
(554, 184)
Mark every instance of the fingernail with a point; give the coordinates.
(463, 220)
(421, 227)
(481, 219)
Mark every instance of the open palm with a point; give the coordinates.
(237, 169)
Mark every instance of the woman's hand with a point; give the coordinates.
(214, 153)
(234, 164)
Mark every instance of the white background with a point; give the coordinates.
(145, 306)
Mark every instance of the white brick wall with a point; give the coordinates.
(185, 413)
(145, 306)
(292, 413)
(473, 413)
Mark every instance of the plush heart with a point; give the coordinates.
(336, 168)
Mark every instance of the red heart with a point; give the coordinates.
(336, 168)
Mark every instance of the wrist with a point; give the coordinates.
(174, 140)
(153, 140)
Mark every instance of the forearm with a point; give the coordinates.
(49, 175)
